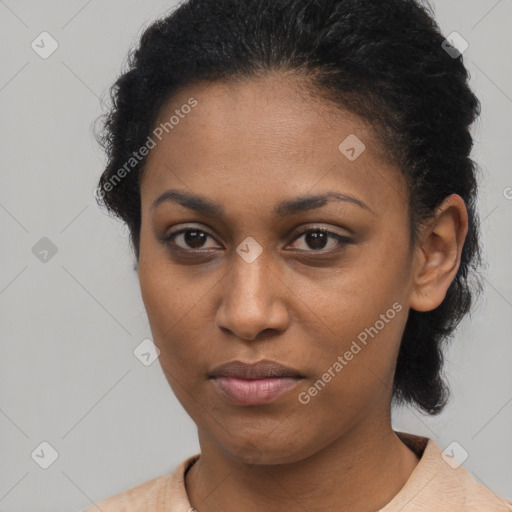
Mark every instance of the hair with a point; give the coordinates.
(384, 61)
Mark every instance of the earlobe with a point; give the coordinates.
(438, 254)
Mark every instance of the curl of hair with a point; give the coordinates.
(383, 61)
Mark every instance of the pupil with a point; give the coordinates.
(316, 239)
(195, 239)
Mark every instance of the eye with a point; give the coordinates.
(188, 239)
(193, 239)
(318, 239)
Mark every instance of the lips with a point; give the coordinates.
(260, 370)
(254, 383)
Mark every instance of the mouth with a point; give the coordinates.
(254, 384)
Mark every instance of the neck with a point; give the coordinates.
(361, 471)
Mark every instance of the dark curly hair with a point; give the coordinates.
(385, 61)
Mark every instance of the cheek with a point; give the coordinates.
(163, 298)
(166, 297)
(170, 314)
(354, 372)
(354, 320)
(178, 313)
(363, 338)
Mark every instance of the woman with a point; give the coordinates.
(295, 175)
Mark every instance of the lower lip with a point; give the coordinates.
(255, 392)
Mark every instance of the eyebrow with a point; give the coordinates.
(288, 207)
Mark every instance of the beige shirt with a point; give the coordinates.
(437, 484)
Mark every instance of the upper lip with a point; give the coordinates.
(259, 370)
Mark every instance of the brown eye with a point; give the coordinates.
(318, 239)
(188, 239)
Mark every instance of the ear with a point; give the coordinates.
(438, 252)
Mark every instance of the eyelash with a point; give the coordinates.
(343, 240)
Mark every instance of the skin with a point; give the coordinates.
(248, 146)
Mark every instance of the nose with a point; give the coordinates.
(253, 299)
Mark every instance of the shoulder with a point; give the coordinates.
(141, 497)
(455, 480)
(157, 494)
(440, 483)
(478, 497)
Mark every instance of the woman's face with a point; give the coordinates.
(253, 279)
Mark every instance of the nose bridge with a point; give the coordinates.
(250, 275)
(250, 302)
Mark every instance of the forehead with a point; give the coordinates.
(266, 135)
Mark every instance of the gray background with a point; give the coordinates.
(69, 326)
